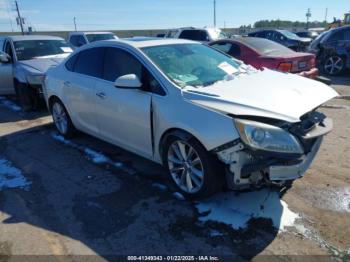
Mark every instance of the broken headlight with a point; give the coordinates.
(268, 138)
(35, 79)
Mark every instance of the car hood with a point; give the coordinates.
(42, 64)
(264, 93)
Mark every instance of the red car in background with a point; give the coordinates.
(260, 53)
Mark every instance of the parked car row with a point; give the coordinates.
(331, 48)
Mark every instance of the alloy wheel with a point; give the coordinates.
(334, 65)
(185, 166)
(60, 118)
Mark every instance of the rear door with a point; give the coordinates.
(6, 70)
(79, 87)
(124, 115)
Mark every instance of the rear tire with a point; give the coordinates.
(333, 65)
(194, 170)
(61, 119)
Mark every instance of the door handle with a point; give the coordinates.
(101, 95)
(66, 83)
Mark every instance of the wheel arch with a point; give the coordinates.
(183, 134)
(52, 99)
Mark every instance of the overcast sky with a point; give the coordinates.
(151, 14)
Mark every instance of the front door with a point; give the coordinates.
(123, 115)
(6, 72)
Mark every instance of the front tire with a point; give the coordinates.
(61, 119)
(194, 170)
(25, 96)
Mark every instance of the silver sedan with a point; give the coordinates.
(211, 120)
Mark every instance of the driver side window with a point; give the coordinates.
(8, 50)
(118, 63)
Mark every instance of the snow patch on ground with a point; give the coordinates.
(160, 186)
(237, 209)
(11, 177)
(95, 156)
(179, 196)
(9, 104)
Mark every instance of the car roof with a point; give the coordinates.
(89, 32)
(140, 42)
(32, 37)
(340, 28)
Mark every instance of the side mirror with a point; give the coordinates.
(4, 58)
(128, 81)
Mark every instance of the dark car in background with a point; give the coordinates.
(332, 49)
(284, 37)
(262, 53)
(307, 34)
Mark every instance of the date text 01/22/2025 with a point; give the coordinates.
(173, 258)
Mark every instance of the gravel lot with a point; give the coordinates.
(85, 197)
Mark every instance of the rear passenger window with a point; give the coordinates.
(223, 47)
(90, 62)
(339, 35)
(235, 51)
(71, 63)
(119, 63)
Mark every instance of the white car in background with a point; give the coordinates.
(24, 61)
(206, 34)
(78, 39)
(208, 118)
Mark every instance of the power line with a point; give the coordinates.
(214, 13)
(75, 23)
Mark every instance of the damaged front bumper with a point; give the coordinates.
(249, 168)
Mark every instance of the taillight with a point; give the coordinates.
(313, 62)
(285, 67)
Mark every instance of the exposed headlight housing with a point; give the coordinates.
(266, 137)
(35, 79)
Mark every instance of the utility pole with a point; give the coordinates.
(326, 16)
(75, 23)
(214, 13)
(20, 19)
(308, 15)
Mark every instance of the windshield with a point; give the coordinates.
(318, 39)
(192, 64)
(99, 37)
(29, 49)
(289, 35)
